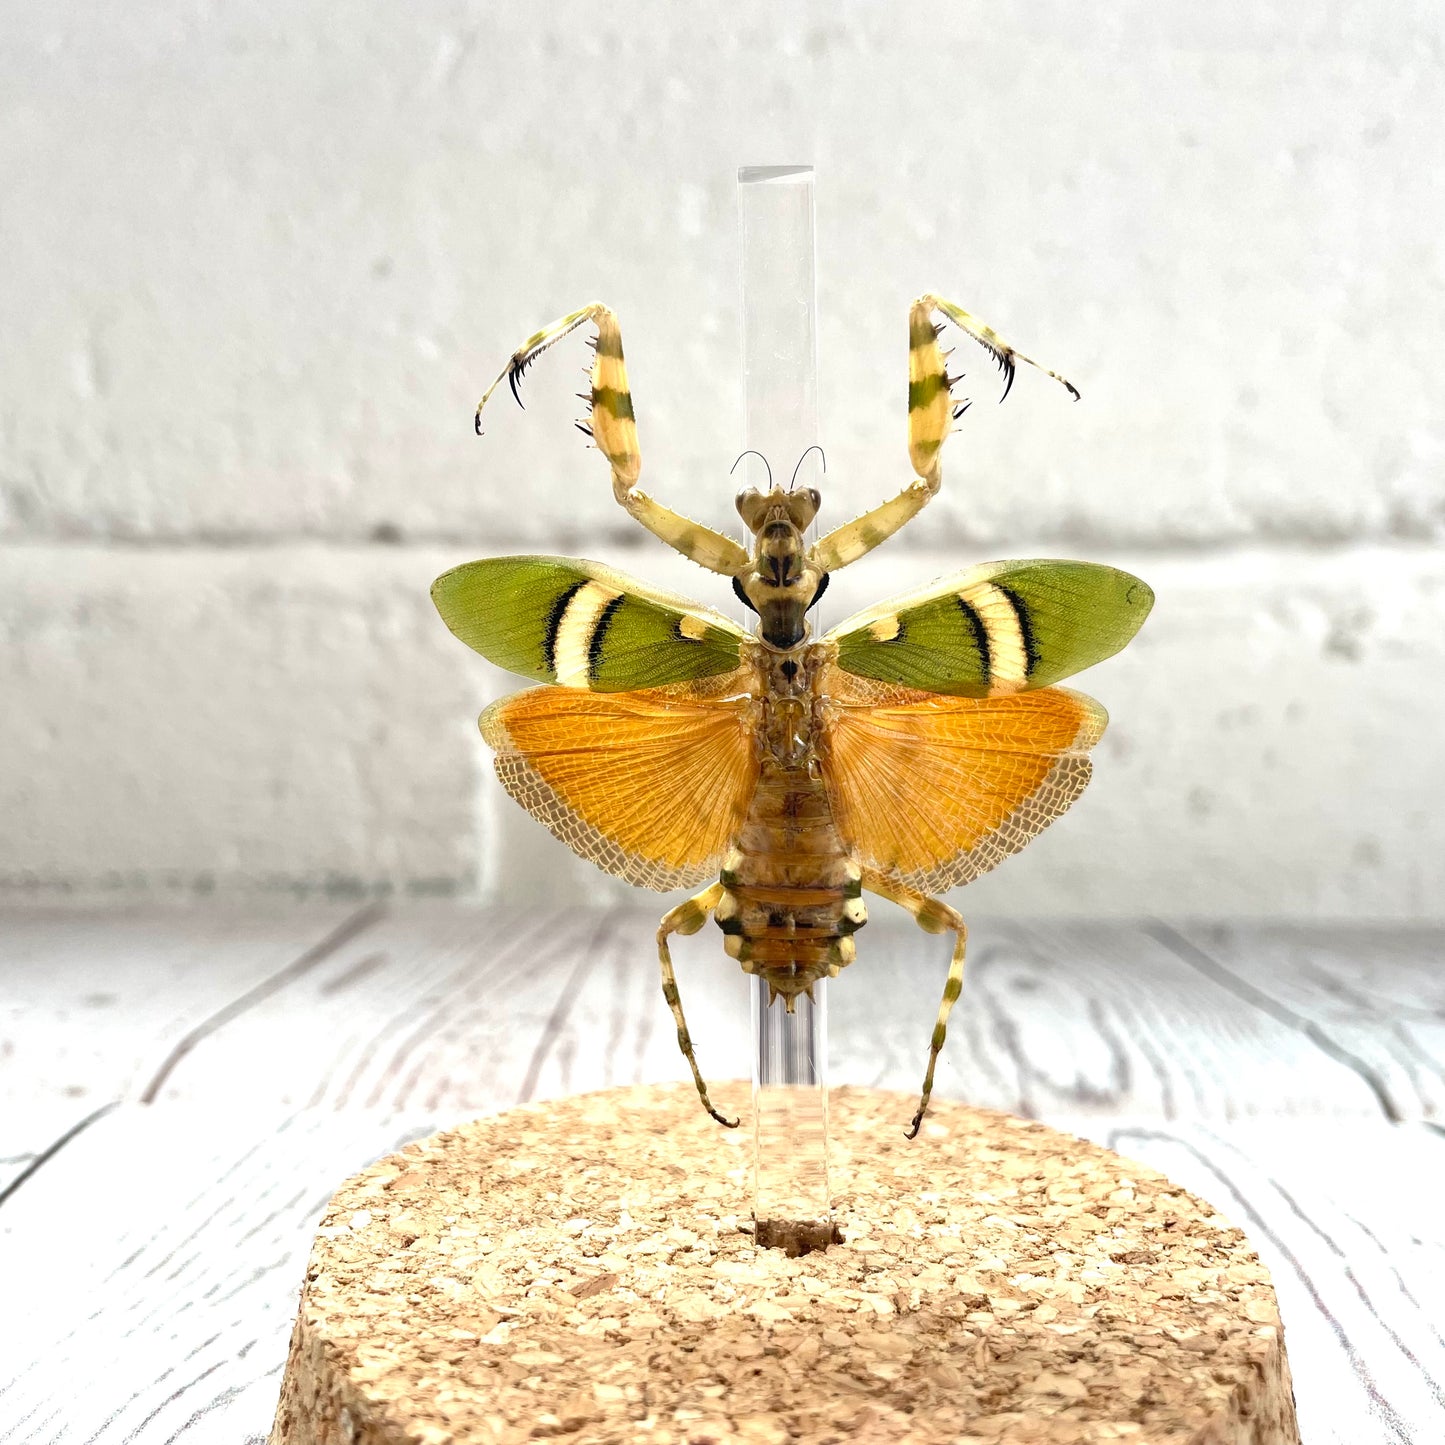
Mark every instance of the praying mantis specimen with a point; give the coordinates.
(909, 750)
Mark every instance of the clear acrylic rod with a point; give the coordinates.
(780, 347)
(792, 1204)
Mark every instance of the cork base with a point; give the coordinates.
(584, 1270)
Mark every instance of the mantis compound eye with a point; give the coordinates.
(803, 507)
(752, 506)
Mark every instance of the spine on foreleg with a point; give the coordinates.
(792, 895)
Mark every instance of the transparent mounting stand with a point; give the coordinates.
(792, 1203)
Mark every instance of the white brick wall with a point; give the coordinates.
(256, 264)
(290, 718)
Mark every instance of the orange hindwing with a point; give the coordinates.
(650, 786)
(933, 790)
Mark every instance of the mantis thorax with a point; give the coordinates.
(780, 582)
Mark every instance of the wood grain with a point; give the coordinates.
(156, 1253)
(1373, 999)
(184, 1236)
(92, 1004)
(433, 1007)
(1083, 1019)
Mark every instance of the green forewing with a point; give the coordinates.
(556, 619)
(998, 628)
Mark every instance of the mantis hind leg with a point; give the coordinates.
(687, 918)
(933, 916)
(613, 428)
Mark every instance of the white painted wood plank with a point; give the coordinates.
(152, 1266)
(432, 1006)
(1086, 1018)
(433, 1014)
(152, 1269)
(91, 1004)
(1347, 1218)
(446, 1008)
(57, 1124)
(12, 1166)
(1376, 996)
(442, 1007)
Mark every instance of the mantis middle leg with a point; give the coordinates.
(687, 918)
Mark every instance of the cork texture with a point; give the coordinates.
(585, 1271)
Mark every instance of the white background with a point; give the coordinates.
(256, 264)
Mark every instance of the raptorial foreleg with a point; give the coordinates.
(933, 916)
(612, 426)
(932, 410)
(687, 918)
